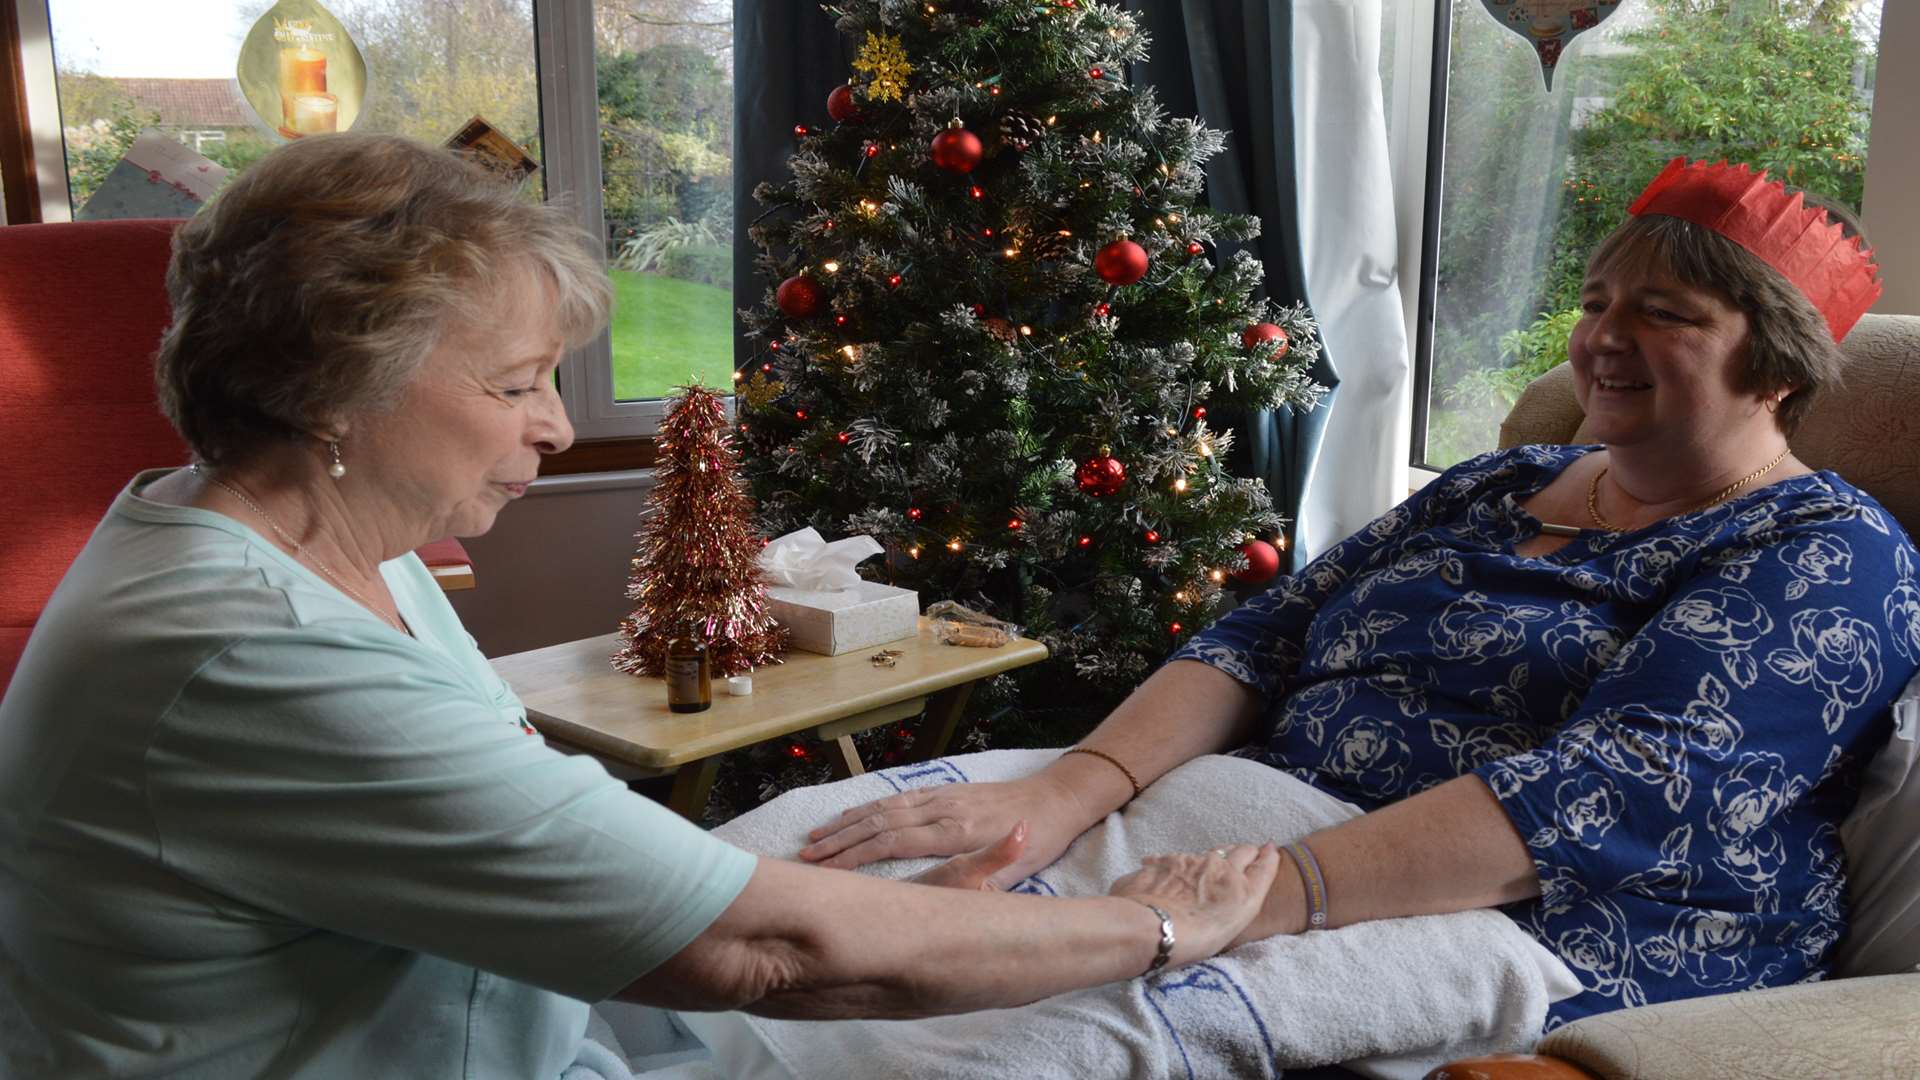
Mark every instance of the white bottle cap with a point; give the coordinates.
(740, 685)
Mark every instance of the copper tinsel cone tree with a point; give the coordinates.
(995, 318)
(698, 558)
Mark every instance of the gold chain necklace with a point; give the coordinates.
(1593, 492)
(299, 548)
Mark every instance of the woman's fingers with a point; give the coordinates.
(892, 840)
(1261, 869)
(875, 827)
(997, 858)
(1213, 895)
(976, 869)
(1241, 856)
(854, 816)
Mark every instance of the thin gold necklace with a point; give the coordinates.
(299, 548)
(1593, 492)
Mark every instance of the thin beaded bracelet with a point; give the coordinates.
(1315, 882)
(1111, 760)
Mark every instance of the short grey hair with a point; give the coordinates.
(1790, 343)
(312, 288)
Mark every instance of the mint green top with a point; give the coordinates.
(249, 829)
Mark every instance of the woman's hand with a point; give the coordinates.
(975, 869)
(953, 820)
(1210, 897)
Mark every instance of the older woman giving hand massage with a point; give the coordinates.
(265, 810)
(1626, 688)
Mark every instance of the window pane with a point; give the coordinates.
(1535, 180)
(666, 139)
(126, 65)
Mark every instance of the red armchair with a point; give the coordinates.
(82, 307)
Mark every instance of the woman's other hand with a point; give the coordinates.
(1210, 897)
(975, 869)
(954, 820)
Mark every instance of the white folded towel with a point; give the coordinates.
(1390, 999)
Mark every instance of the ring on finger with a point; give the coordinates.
(1221, 852)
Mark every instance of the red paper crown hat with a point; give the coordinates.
(1806, 246)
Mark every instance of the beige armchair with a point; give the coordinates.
(1869, 1027)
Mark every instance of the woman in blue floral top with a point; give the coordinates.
(1624, 689)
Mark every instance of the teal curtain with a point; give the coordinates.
(787, 59)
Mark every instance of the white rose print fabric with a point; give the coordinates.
(1674, 718)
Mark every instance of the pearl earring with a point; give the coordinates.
(335, 468)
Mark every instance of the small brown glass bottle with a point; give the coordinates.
(689, 671)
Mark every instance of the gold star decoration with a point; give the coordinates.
(760, 391)
(884, 61)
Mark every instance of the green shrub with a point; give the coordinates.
(708, 264)
(646, 247)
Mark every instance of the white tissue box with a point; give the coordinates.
(834, 621)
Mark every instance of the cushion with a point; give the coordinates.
(1882, 841)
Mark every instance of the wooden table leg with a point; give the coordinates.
(944, 709)
(691, 785)
(845, 758)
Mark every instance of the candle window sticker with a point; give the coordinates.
(1550, 25)
(301, 71)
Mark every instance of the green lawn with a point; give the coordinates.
(667, 331)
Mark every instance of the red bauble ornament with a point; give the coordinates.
(798, 297)
(1263, 561)
(840, 105)
(1266, 331)
(956, 149)
(1101, 475)
(1122, 262)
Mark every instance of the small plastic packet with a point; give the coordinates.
(955, 624)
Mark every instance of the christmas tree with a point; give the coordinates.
(996, 319)
(698, 558)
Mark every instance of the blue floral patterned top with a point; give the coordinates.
(1674, 718)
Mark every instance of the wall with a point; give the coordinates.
(554, 568)
(1892, 213)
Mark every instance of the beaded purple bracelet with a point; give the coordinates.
(1315, 882)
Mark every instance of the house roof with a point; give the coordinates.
(190, 103)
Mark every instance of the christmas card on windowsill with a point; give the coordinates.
(156, 178)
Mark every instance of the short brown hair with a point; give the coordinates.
(311, 289)
(1789, 344)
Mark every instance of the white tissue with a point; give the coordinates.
(804, 560)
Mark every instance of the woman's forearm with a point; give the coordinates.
(807, 943)
(1450, 848)
(1182, 711)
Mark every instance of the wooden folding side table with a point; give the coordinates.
(575, 696)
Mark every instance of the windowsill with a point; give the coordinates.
(581, 483)
(601, 455)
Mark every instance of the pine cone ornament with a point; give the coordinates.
(1021, 129)
(1051, 245)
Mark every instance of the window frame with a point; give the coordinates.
(1420, 330)
(570, 130)
(563, 42)
(1895, 134)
